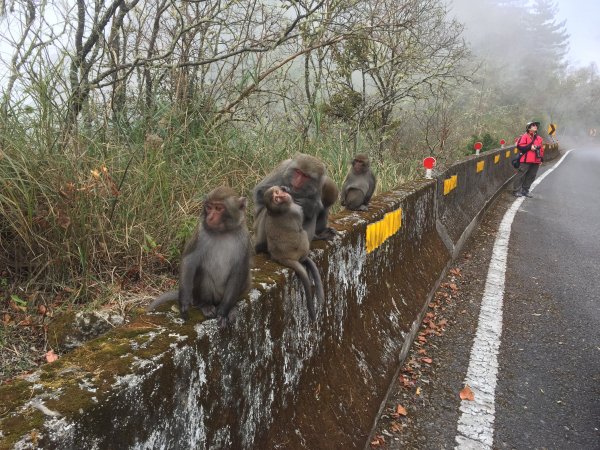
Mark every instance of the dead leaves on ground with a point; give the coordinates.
(456, 272)
(395, 426)
(400, 411)
(413, 376)
(378, 441)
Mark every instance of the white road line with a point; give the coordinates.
(476, 422)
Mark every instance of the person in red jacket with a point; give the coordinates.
(531, 146)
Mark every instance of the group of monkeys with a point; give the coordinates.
(291, 209)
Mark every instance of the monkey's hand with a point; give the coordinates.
(225, 321)
(325, 235)
(208, 311)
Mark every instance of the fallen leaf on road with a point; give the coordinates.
(418, 391)
(455, 271)
(467, 394)
(378, 441)
(401, 410)
(427, 360)
(396, 427)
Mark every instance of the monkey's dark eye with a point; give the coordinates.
(285, 189)
(216, 207)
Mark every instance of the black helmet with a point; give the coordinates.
(530, 124)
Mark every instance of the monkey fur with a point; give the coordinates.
(215, 265)
(359, 184)
(304, 176)
(288, 244)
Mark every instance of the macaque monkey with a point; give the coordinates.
(305, 178)
(288, 244)
(359, 184)
(215, 265)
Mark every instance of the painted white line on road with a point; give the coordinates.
(476, 422)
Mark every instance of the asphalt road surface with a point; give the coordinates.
(518, 321)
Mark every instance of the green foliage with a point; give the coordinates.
(84, 217)
(18, 300)
(489, 143)
(343, 105)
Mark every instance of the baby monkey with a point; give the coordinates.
(288, 244)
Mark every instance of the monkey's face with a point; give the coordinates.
(359, 166)
(214, 215)
(299, 179)
(280, 196)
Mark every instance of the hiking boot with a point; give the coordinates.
(526, 194)
(518, 194)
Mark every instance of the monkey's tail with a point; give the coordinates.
(305, 279)
(314, 273)
(164, 298)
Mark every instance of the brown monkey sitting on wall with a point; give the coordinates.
(304, 176)
(359, 184)
(215, 265)
(288, 244)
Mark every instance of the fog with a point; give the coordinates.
(540, 56)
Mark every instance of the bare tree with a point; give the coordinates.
(411, 50)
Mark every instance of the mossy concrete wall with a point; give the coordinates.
(275, 380)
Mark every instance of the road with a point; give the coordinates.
(522, 331)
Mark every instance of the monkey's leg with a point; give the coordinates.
(163, 298)
(209, 311)
(234, 288)
(189, 272)
(322, 231)
(308, 287)
(355, 200)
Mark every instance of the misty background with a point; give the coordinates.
(116, 117)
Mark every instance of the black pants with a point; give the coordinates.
(525, 176)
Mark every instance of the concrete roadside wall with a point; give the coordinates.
(275, 380)
(465, 189)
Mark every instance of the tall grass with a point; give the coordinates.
(100, 211)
